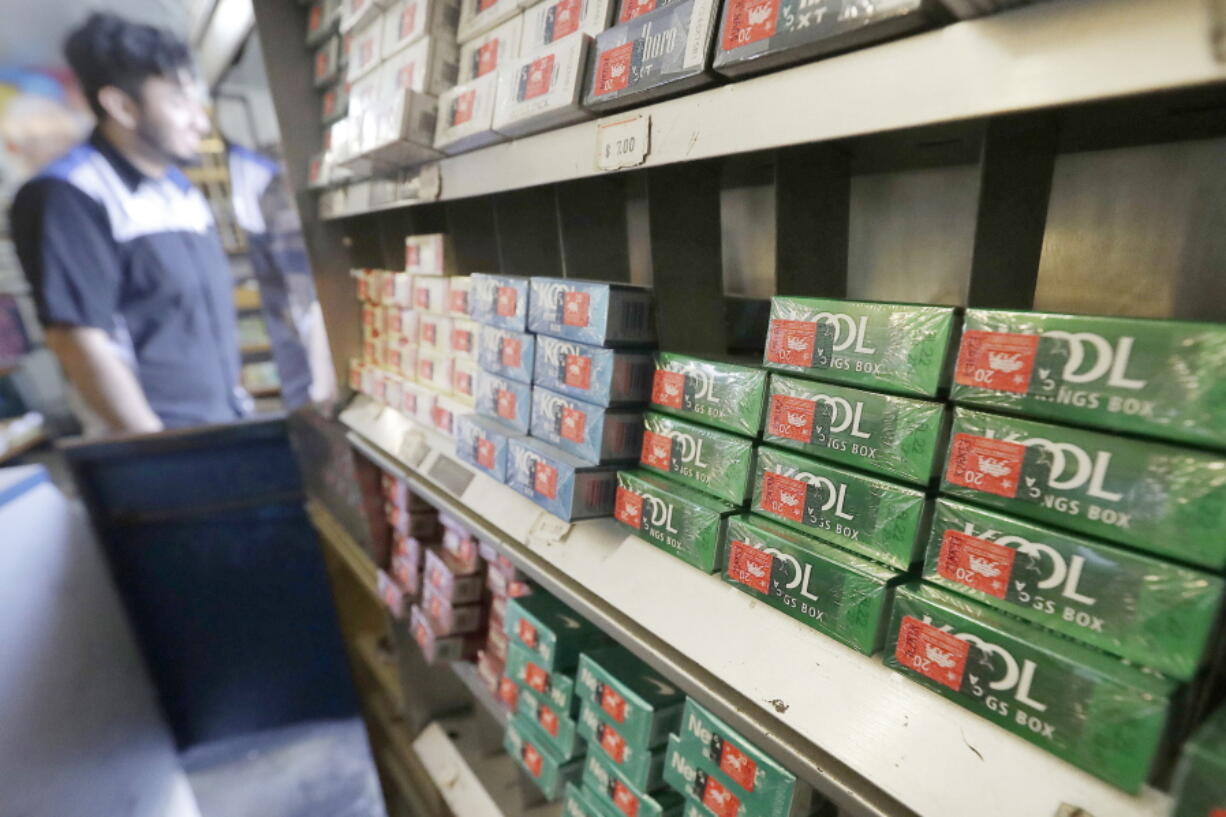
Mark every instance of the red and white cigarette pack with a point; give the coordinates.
(365, 50)
(480, 16)
(487, 53)
(460, 544)
(428, 254)
(399, 129)
(464, 381)
(550, 21)
(428, 66)
(448, 618)
(440, 648)
(430, 293)
(466, 116)
(543, 89)
(458, 288)
(450, 580)
(407, 21)
(434, 334)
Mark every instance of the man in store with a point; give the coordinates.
(132, 285)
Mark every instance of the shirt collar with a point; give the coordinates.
(128, 172)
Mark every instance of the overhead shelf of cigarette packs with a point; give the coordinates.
(1042, 56)
(863, 734)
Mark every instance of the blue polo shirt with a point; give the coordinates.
(105, 246)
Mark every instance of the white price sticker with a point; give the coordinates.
(623, 142)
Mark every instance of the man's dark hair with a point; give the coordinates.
(109, 50)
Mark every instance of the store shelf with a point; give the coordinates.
(869, 738)
(467, 673)
(349, 552)
(1042, 56)
(383, 668)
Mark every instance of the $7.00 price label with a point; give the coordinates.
(623, 142)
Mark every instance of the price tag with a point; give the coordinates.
(623, 142)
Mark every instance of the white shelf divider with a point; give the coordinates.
(872, 740)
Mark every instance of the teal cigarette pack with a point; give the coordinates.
(642, 704)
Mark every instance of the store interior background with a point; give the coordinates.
(1115, 216)
(82, 720)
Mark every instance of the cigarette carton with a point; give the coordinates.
(700, 780)
(407, 21)
(430, 293)
(464, 381)
(1147, 610)
(434, 370)
(875, 518)
(662, 52)
(322, 19)
(590, 433)
(500, 300)
(466, 115)
(458, 287)
(551, 631)
(898, 437)
(640, 702)
(428, 254)
(1154, 377)
(487, 53)
(554, 688)
(1081, 705)
(525, 742)
(627, 10)
(444, 412)
(399, 130)
(548, 22)
(463, 343)
(443, 573)
(334, 103)
(419, 523)
(760, 37)
(764, 783)
(434, 331)
(715, 462)
(439, 648)
(839, 594)
(1159, 498)
(613, 793)
(355, 13)
(567, 487)
(461, 544)
(602, 376)
(900, 348)
(406, 573)
(541, 90)
(365, 51)
(712, 392)
(1198, 788)
(643, 767)
(482, 443)
(506, 353)
(675, 518)
(557, 729)
(447, 618)
(592, 312)
(327, 65)
(427, 67)
(505, 400)
(480, 16)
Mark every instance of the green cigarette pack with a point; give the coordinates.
(839, 594)
(578, 802)
(1153, 377)
(554, 688)
(874, 517)
(642, 766)
(640, 702)
(899, 348)
(1082, 705)
(556, 727)
(674, 517)
(768, 787)
(1160, 498)
(524, 742)
(551, 630)
(698, 779)
(1200, 778)
(714, 462)
(723, 395)
(1147, 610)
(612, 791)
(899, 437)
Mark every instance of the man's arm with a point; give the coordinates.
(104, 380)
